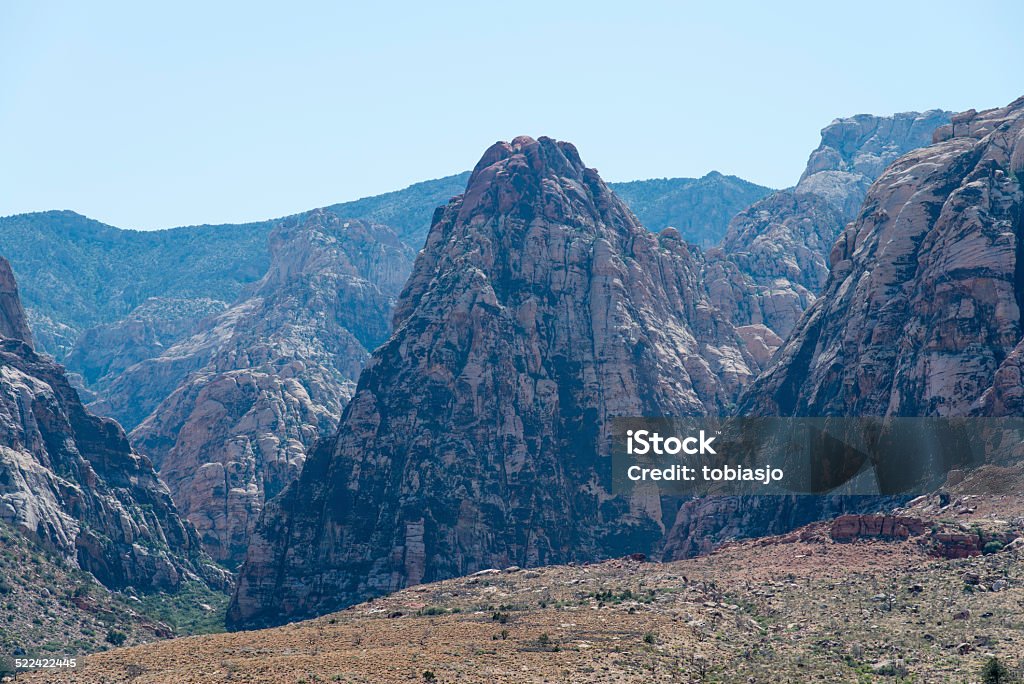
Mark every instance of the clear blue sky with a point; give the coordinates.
(150, 115)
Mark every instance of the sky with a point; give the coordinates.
(151, 115)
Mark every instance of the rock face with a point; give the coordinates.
(71, 482)
(272, 373)
(478, 434)
(849, 528)
(921, 312)
(102, 353)
(777, 250)
(771, 267)
(13, 324)
(920, 315)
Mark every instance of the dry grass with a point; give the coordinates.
(776, 610)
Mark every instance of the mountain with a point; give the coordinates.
(699, 208)
(919, 315)
(70, 482)
(538, 309)
(777, 249)
(771, 266)
(921, 312)
(78, 274)
(236, 406)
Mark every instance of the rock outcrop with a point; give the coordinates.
(270, 375)
(850, 527)
(478, 434)
(941, 539)
(71, 482)
(773, 261)
(921, 312)
(920, 315)
(13, 323)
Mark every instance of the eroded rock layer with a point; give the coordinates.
(773, 261)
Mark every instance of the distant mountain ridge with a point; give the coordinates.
(699, 208)
(76, 273)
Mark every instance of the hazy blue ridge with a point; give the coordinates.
(75, 272)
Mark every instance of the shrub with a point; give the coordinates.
(432, 610)
(994, 672)
(993, 546)
(116, 637)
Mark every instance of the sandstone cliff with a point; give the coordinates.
(271, 374)
(773, 261)
(477, 437)
(71, 482)
(13, 324)
(919, 316)
(102, 353)
(921, 312)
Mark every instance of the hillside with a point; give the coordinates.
(815, 605)
(699, 208)
(49, 607)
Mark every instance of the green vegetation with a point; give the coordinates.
(116, 637)
(994, 672)
(53, 608)
(193, 609)
(991, 547)
(699, 208)
(432, 610)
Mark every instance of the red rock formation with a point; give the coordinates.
(921, 313)
(478, 435)
(847, 528)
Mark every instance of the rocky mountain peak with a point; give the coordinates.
(324, 243)
(262, 382)
(13, 323)
(865, 144)
(774, 257)
(539, 309)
